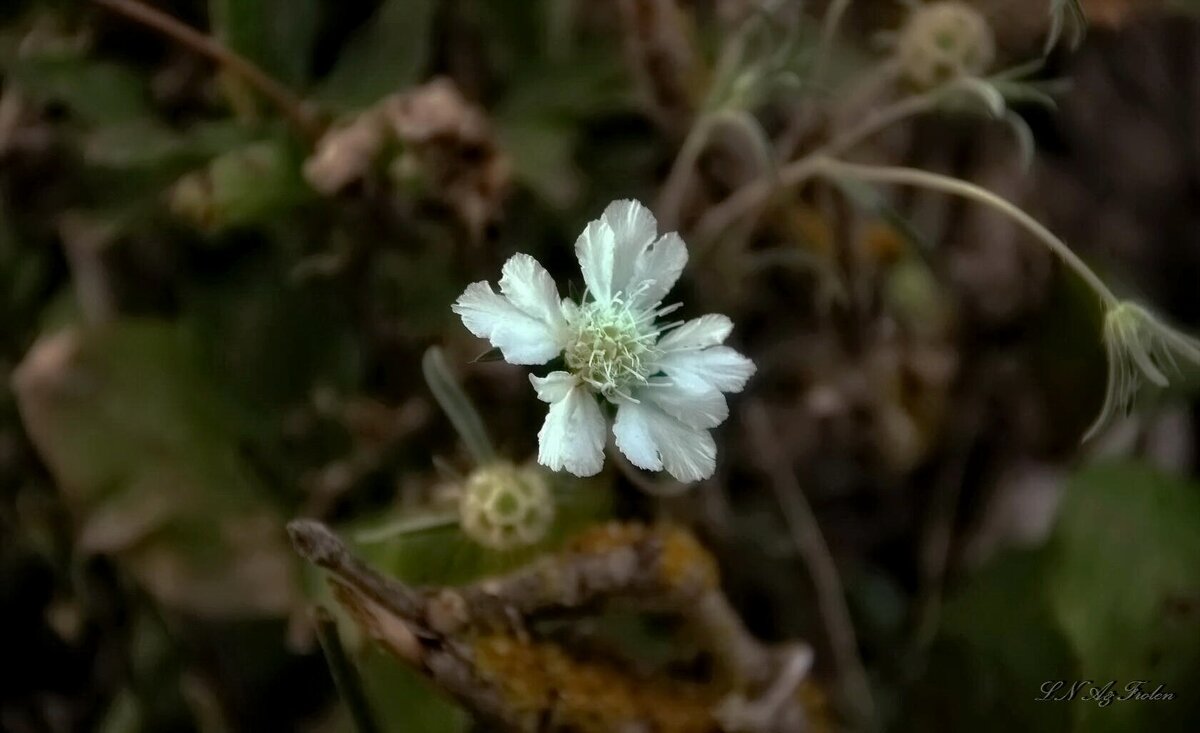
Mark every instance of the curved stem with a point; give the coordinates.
(406, 525)
(752, 195)
(829, 30)
(288, 103)
(671, 199)
(957, 187)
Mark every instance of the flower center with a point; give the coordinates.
(612, 347)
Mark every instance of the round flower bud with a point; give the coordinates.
(504, 507)
(944, 40)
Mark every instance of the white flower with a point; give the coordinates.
(666, 380)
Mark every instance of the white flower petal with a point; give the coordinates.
(527, 284)
(654, 440)
(719, 366)
(554, 386)
(521, 338)
(657, 269)
(634, 228)
(634, 439)
(694, 404)
(698, 333)
(595, 250)
(572, 437)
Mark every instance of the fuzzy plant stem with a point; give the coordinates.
(947, 184)
(829, 31)
(670, 201)
(457, 406)
(725, 214)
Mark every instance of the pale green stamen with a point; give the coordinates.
(613, 346)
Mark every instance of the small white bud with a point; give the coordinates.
(942, 41)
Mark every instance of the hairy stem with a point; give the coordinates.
(723, 215)
(829, 30)
(948, 184)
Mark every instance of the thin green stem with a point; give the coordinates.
(948, 184)
(345, 676)
(457, 406)
(406, 525)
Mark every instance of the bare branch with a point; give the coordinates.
(475, 641)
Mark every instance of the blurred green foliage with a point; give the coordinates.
(1111, 596)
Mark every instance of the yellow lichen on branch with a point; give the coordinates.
(542, 680)
(480, 642)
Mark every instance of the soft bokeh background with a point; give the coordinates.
(207, 328)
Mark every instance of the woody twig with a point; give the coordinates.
(477, 643)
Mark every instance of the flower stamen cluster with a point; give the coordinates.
(612, 346)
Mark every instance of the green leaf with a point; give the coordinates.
(1191, 7)
(443, 555)
(149, 455)
(539, 120)
(277, 35)
(1026, 143)
(457, 405)
(1125, 586)
(124, 714)
(271, 339)
(1066, 16)
(402, 700)
(96, 92)
(385, 56)
(1114, 595)
(245, 186)
(25, 272)
(543, 158)
(998, 643)
(145, 143)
